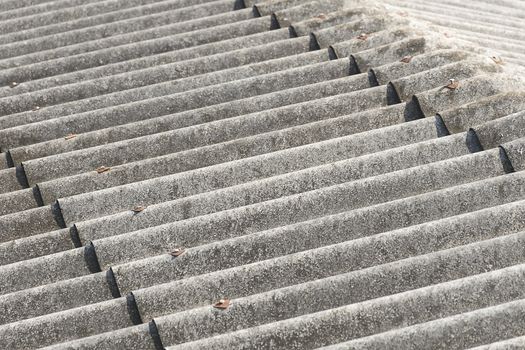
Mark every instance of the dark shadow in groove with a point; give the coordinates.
(55, 209)
(372, 78)
(255, 11)
(392, 97)
(473, 142)
(332, 55)
(21, 176)
(505, 161)
(112, 283)
(154, 333)
(441, 128)
(239, 5)
(413, 110)
(274, 22)
(354, 67)
(40, 202)
(292, 33)
(133, 309)
(91, 259)
(75, 237)
(9, 159)
(314, 44)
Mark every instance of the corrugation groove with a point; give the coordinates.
(285, 174)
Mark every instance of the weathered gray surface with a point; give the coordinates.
(76, 292)
(132, 338)
(495, 26)
(455, 332)
(54, 328)
(373, 316)
(192, 18)
(304, 159)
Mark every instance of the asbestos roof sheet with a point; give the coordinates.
(251, 174)
(496, 26)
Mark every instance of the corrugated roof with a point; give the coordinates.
(280, 174)
(496, 26)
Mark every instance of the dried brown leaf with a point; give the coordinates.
(406, 59)
(102, 169)
(177, 252)
(497, 59)
(453, 84)
(138, 209)
(222, 304)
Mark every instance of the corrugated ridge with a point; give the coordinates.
(71, 18)
(99, 37)
(492, 25)
(298, 174)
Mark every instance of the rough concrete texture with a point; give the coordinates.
(11, 180)
(487, 223)
(158, 68)
(132, 338)
(4, 164)
(455, 332)
(35, 246)
(164, 189)
(221, 111)
(284, 174)
(157, 89)
(433, 101)
(512, 343)
(219, 131)
(165, 165)
(59, 327)
(56, 67)
(77, 292)
(46, 6)
(497, 27)
(494, 107)
(16, 201)
(297, 158)
(263, 215)
(40, 49)
(90, 11)
(42, 270)
(45, 98)
(442, 234)
(313, 330)
(425, 130)
(345, 289)
(208, 15)
(27, 223)
(130, 51)
(172, 103)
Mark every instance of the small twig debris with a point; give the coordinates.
(70, 136)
